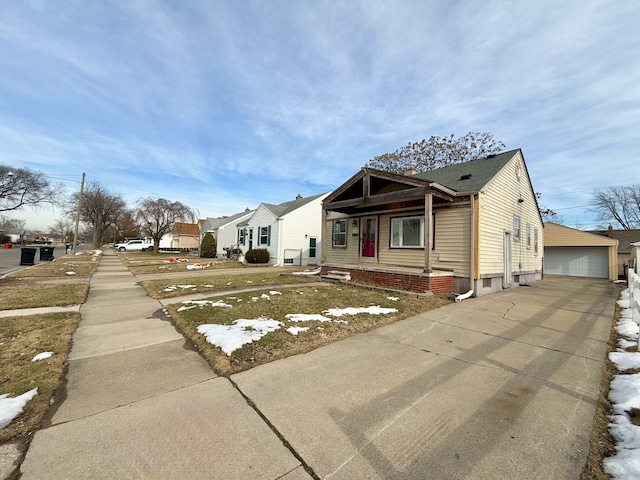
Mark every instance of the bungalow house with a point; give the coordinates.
(478, 220)
(224, 230)
(290, 231)
(185, 237)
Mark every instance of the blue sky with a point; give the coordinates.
(222, 105)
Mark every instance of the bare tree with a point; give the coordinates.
(546, 213)
(21, 187)
(618, 205)
(99, 210)
(126, 226)
(7, 223)
(63, 227)
(437, 152)
(158, 216)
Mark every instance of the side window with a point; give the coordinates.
(242, 232)
(528, 236)
(516, 228)
(340, 233)
(535, 241)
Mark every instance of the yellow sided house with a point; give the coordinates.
(471, 228)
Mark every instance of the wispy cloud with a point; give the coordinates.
(223, 105)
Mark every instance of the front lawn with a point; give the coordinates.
(286, 321)
(170, 288)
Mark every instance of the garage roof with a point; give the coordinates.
(560, 236)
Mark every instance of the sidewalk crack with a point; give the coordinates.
(271, 426)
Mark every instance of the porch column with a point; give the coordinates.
(428, 203)
(323, 240)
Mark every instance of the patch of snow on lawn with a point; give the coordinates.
(10, 408)
(243, 331)
(41, 356)
(296, 330)
(393, 299)
(625, 360)
(372, 310)
(307, 317)
(275, 292)
(171, 288)
(69, 273)
(204, 303)
(265, 296)
(625, 396)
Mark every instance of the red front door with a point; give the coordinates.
(369, 236)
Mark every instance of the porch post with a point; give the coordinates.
(323, 242)
(428, 203)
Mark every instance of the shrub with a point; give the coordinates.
(208, 246)
(257, 255)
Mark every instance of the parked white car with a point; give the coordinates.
(133, 246)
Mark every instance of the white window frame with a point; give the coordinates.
(535, 241)
(528, 236)
(517, 234)
(335, 233)
(399, 221)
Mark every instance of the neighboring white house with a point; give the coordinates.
(224, 230)
(290, 231)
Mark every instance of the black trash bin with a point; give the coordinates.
(46, 254)
(27, 256)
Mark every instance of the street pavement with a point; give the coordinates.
(503, 387)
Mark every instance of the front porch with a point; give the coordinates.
(393, 277)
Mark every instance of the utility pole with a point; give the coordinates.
(75, 230)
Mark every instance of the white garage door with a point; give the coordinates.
(577, 261)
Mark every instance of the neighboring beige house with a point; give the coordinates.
(479, 220)
(626, 238)
(576, 253)
(185, 237)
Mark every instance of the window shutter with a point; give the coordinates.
(269, 235)
(258, 242)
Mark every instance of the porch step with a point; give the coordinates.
(338, 275)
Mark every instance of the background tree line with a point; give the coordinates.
(104, 215)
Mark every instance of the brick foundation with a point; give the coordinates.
(408, 282)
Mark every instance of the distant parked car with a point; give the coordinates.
(133, 246)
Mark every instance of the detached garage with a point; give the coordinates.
(575, 253)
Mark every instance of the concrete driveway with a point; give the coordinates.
(501, 387)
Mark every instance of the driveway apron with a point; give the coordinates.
(139, 403)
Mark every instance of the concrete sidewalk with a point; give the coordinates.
(139, 403)
(500, 387)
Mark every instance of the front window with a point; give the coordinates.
(407, 232)
(242, 232)
(340, 233)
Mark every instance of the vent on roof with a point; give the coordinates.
(466, 176)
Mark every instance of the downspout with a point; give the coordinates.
(472, 259)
